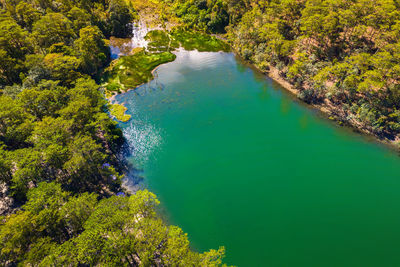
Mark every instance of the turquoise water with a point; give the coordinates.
(237, 162)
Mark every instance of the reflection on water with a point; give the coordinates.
(143, 139)
(120, 47)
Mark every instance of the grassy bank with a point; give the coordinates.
(129, 72)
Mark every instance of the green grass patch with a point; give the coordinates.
(191, 40)
(161, 41)
(118, 111)
(129, 72)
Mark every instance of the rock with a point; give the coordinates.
(6, 202)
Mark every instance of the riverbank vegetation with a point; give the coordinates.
(194, 40)
(343, 55)
(59, 147)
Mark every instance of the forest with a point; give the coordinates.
(342, 54)
(60, 174)
(62, 202)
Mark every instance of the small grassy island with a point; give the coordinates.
(118, 111)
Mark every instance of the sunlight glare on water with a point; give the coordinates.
(143, 139)
(236, 162)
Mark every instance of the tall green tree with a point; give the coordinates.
(53, 28)
(91, 49)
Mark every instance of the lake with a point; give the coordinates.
(237, 162)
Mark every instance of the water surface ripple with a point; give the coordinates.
(236, 162)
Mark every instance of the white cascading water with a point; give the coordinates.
(139, 31)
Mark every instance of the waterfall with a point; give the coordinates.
(139, 31)
(123, 46)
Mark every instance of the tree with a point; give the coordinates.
(125, 231)
(15, 123)
(43, 100)
(13, 39)
(91, 49)
(120, 19)
(62, 67)
(85, 164)
(79, 18)
(5, 166)
(14, 45)
(52, 28)
(9, 68)
(51, 137)
(26, 15)
(49, 217)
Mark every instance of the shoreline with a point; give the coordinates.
(328, 110)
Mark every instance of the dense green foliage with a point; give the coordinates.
(58, 145)
(346, 53)
(202, 14)
(53, 121)
(161, 41)
(57, 229)
(51, 132)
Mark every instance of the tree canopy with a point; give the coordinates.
(55, 228)
(59, 147)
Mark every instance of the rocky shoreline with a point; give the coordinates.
(331, 111)
(328, 109)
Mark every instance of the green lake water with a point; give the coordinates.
(235, 161)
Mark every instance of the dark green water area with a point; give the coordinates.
(236, 161)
